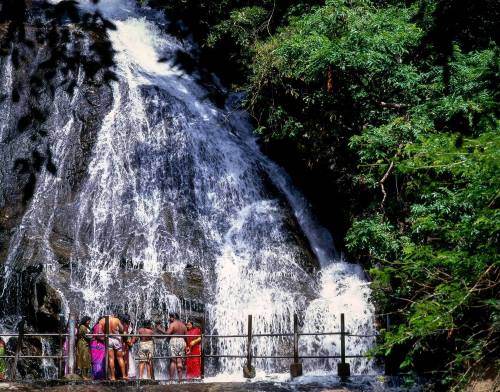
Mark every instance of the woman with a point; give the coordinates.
(3, 362)
(193, 350)
(98, 352)
(83, 349)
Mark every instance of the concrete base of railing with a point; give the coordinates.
(343, 371)
(248, 372)
(295, 370)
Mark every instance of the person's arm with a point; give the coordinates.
(184, 330)
(160, 329)
(194, 342)
(131, 340)
(85, 334)
(170, 330)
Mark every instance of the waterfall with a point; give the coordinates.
(5, 93)
(175, 183)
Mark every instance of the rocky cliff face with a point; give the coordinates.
(56, 68)
(47, 53)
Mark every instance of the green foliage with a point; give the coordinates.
(243, 26)
(374, 237)
(426, 136)
(396, 105)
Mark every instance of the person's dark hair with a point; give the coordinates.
(84, 320)
(147, 324)
(174, 315)
(124, 318)
(192, 322)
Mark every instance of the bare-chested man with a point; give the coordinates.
(177, 344)
(115, 348)
(146, 349)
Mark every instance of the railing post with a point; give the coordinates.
(249, 341)
(342, 337)
(202, 351)
(62, 327)
(71, 344)
(19, 344)
(343, 369)
(248, 369)
(106, 345)
(295, 367)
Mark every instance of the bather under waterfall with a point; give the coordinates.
(177, 202)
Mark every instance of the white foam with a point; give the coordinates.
(175, 181)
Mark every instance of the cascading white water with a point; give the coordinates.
(5, 94)
(173, 182)
(48, 367)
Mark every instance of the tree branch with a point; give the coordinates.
(393, 105)
(381, 182)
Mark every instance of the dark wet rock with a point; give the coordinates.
(44, 59)
(40, 76)
(27, 368)
(47, 306)
(35, 299)
(72, 377)
(193, 283)
(62, 247)
(10, 217)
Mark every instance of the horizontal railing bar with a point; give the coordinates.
(199, 355)
(134, 335)
(281, 334)
(33, 334)
(331, 356)
(164, 336)
(34, 356)
(172, 356)
(283, 356)
(197, 336)
(319, 333)
(291, 356)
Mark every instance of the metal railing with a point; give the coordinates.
(343, 368)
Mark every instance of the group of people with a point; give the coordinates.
(183, 339)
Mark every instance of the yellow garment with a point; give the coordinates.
(83, 351)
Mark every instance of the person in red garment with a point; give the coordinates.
(193, 364)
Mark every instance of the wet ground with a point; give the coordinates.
(298, 385)
(201, 387)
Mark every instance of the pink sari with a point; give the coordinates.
(98, 354)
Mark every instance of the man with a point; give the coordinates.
(177, 344)
(126, 342)
(146, 349)
(115, 346)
